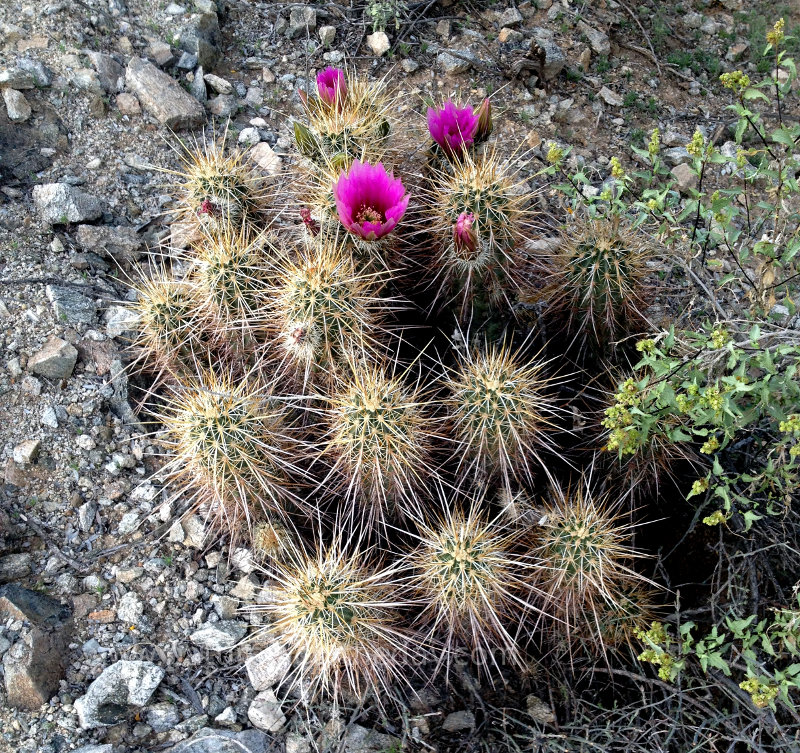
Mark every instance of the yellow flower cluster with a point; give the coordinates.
(555, 153)
(736, 81)
(715, 518)
(699, 486)
(778, 33)
(720, 338)
(762, 693)
(710, 446)
(659, 657)
(655, 142)
(616, 168)
(697, 145)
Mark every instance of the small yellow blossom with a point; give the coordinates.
(555, 153)
(655, 142)
(778, 33)
(616, 168)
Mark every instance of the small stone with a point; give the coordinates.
(510, 36)
(61, 204)
(300, 19)
(510, 17)
(128, 104)
(451, 64)
(736, 51)
(162, 717)
(297, 743)
(264, 156)
(55, 360)
(26, 452)
(378, 43)
(201, 38)
(130, 609)
(70, 306)
(176, 534)
(17, 106)
(362, 740)
(242, 559)
(121, 243)
(459, 720)
(161, 52)
(249, 136)
(268, 667)
(34, 665)
(265, 712)
(443, 28)
(254, 97)
(14, 566)
(14, 78)
(409, 65)
(173, 9)
(41, 74)
(162, 96)
(692, 20)
(225, 606)
(109, 71)
(187, 61)
(599, 41)
(676, 155)
(219, 85)
(194, 531)
(86, 80)
(685, 178)
(539, 710)
(227, 718)
(219, 636)
(246, 588)
(49, 418)
(129, 523)
(125, 683)
(120, 320)
(223, 106)
(326, 35)
(610, 97)
(543, 46)
(86, 515)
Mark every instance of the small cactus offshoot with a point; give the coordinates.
(586, 561)
(473, 582)
(230, 446)
(338, 619)
(500, 414)
(380, 436)
(323, 312)
(169, 323)
(348, 118)
(597, 280)
(481, 220)
(218, 190)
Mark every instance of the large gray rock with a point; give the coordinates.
(35, 663)
(551, 55)
(209, 740)
(201, 38)
(60, 204)
(451, 64)
(14, 566)
(121, 243)
(123, 684)
(70, 306)
(55, 360)
(599, 40)
(39, 72)
(15, 78)
(162, 96)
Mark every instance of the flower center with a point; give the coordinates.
(367, 213)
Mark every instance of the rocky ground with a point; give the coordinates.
(91, 90)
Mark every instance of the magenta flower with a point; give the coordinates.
(464, 236)
(370, 201)
(331, 86)
(452, 128)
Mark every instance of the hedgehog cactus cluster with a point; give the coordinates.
(301, 409)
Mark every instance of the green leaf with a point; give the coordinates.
(750, 517)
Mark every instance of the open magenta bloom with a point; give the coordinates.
(331, 86)
(370, 201)
(452, 128)
(464, 236)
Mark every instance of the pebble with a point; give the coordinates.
(610, 97)
(327, 35)
(219, 636)
(162, 96)
(27, 451)
(219, 85)
(17, 106)
(265, 712)
(55, 360)
(60, 204)
(130, 608)
(249, 136)
(459, 720)
(223, 106)
(378, 43)
(268, 667)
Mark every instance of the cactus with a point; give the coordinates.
(323, 313)
(500, 414)
(480, 221)
(230, 271)
(597, 280)
(338, 619)
(472, 580)
(230, 444)
(347, 119)
(216, 190)
(170, 330)
(586, 557)
(380, 437)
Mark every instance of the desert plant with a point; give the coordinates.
(479, 219)
(472, 577)
(596, 280)
(323, 313)
(501, 413)
(585, 555)
(380, 437)
(170, 327)
(338, 617)
(231, 448)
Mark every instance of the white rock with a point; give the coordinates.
(49, 418)
(378, 43)
(268, 667)
(263, 155)
(26, 452)
(265, 712)
(326, 35)
(611, 98)
(120, 320)
(219, 636)
(130, 608)
(176, 534)
(17, 106)
(249, 136)
(219, 85)
(129, 522)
